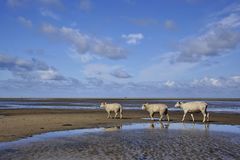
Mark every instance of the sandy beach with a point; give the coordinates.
(16, 124)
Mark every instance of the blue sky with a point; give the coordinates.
(125, 48)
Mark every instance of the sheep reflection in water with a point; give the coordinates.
(161, 125)
(113, 128)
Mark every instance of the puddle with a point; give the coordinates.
(134, 126)
(131, 141)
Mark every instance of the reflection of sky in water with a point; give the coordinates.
(235, 129)
(186, 126)
(216, 106)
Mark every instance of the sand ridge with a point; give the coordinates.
(15, 124)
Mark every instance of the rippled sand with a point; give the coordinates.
(131, 144)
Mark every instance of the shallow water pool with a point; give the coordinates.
(133, 141)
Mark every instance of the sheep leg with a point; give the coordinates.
(108, 115)
(120, 113)
(192, 117)
(208, 117)
(204, 117)
(184, 116)
(116, 113)
(151, 116)
(168, 117)
(160, 119)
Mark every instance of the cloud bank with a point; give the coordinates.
(219, 37)
(28, 69)
(85, 44)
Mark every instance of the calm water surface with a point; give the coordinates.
(135, 141)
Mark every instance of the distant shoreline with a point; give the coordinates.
(113, 99)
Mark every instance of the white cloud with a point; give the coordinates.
(35, 77)
(105, 72)
(84, 43)
(133, 38)
(170, 83)
(232, 8)
(49, 74)
(48, 13)
(24, 21)
(231, 21)
(236, 79)
(85, 5)
(84, 58)
(213, 43)
(210, 86)
(30, 69)
(219, 37)
(221, 83)
(206, 81)
(120, 73)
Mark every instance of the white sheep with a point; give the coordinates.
(162, 109)
(115, 107)
(194, 107)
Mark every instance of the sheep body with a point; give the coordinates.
(194, 107)
(162, 109)
(112, 107)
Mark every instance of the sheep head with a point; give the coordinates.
(178, 104)
(102, 104)
(144, 106)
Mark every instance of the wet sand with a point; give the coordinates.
(15, 124)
